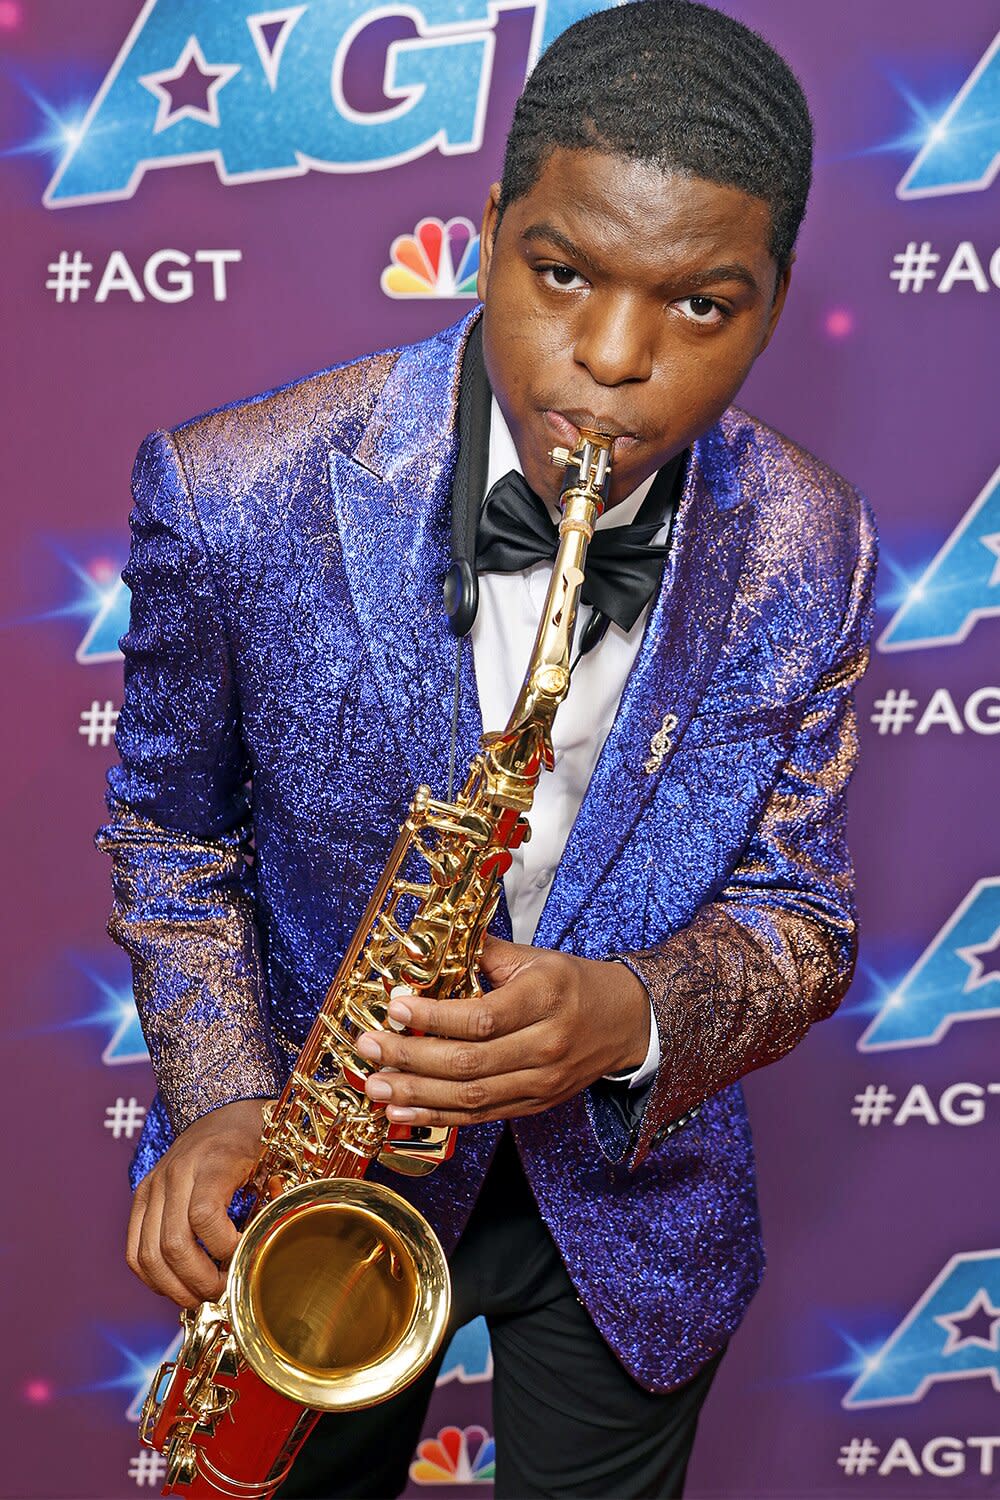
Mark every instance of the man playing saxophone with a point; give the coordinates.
(683, 910)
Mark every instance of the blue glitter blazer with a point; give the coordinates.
(289, 673)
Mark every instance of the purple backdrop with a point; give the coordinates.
(870, 1361)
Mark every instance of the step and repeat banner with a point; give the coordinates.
(206, 198)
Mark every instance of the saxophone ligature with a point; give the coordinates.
(338, 1294)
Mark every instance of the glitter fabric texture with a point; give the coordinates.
(289, 676)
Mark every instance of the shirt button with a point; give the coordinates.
(544, 879)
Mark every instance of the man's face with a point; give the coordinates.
(625, 298)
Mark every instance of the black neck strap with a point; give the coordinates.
(461, 586)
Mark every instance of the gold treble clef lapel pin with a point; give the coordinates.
(660, 744)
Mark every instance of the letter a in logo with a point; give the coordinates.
(955, 979)
(961, 586)
(962, 152)
(469, 1357)
(951, 1334)
(259, 90)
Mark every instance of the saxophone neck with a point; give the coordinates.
(546, 682)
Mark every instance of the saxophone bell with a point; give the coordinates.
(338, 1294)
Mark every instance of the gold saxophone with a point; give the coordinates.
(338, 1294)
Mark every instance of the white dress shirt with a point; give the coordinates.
(510, 605)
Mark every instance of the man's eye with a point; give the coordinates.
(562, 277)
(701, 309)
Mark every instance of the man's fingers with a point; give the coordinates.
(501, 960)
(458, 1061)
(476, 1020)
(151, 1267)
(180, 1252)
(521, 1092)
(184, 1199)
(140, 1203)
(479, 1019)
(211, 1223)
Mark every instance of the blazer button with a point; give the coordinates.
(665, 1131)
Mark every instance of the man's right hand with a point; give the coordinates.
(184, 1199)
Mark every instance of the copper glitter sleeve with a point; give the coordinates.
(178, 831)
(741, 984)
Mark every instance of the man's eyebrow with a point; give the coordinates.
(734, 271)
(731, 271)
(544, 231)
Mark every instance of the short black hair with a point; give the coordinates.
(676, 84)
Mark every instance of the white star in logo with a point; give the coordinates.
(975, 956)
(190, 75)
(993, 543)
(987, 1317)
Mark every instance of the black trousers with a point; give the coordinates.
(568, 1420)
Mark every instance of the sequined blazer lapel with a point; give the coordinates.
(392, 501)
(684, 632)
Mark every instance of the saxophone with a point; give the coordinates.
(338, 1294)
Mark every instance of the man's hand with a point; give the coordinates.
(184, 1199)
(551, 1025)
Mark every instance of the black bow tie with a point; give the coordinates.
(623, 568)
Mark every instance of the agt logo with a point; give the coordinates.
(956, 978)
(110, 1008)
(110, 621)
(142, 1370)
(962, 583)
(469, 1357)
(952, 1333)
(127, 1043)
(962, 151)
(261, 93)
(98, 601)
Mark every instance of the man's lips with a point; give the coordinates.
(567, 426)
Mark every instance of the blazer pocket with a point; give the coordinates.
(714, 728)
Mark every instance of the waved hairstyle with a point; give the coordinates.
(678, 85)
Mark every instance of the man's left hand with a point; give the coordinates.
(550, 1025)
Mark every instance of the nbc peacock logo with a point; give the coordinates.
(456, 1456)
(439, 259)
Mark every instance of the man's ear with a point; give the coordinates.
(780, 293)
(487, 232)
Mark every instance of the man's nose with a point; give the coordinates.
(612, 341)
